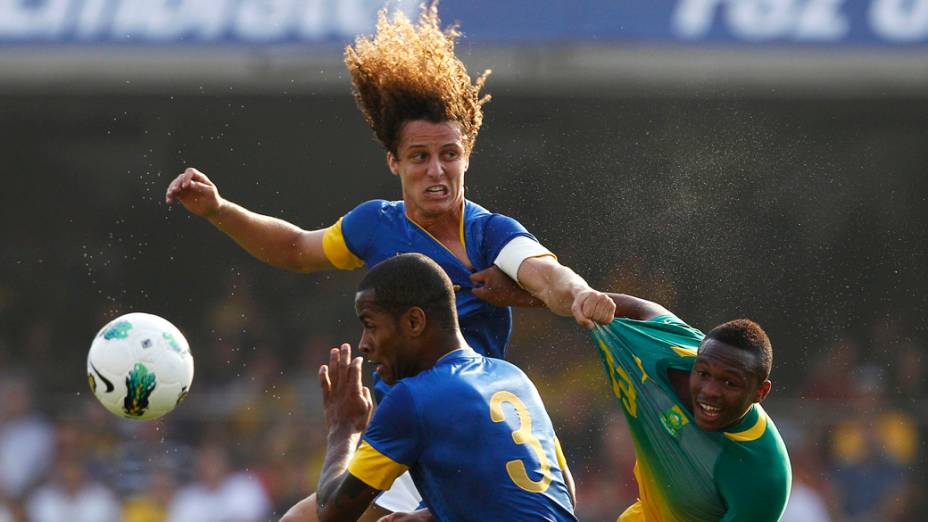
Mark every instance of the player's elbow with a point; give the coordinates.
(305, 253)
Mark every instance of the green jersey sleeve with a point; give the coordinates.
(754, 477)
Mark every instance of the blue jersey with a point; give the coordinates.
(476, 438)
(376, 230)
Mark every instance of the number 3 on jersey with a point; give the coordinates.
(516, 468)
(622, 385)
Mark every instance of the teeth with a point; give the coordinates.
(709, 409)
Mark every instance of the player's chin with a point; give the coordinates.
(437, 205)
(385, 375)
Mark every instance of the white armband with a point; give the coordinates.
(517, 250)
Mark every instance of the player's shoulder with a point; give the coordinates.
(373, 207)
(362, 219)
(477, 214)
(474, 211)
(463, 368)
(753, 469)
(756, 441)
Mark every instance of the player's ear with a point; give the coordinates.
(392, 162)
(415, 321)
(762, 391)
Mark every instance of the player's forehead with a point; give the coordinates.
(425, 133)
(365, 301)
(723, 357)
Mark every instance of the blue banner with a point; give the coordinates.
(839, 23)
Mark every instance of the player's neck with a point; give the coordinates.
(443, 226)
(441, 344)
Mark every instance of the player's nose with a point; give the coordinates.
(364, 345)
(710, 389)
(435, 168)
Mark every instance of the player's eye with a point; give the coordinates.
(451, 154)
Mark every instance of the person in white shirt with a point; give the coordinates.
(71, 497)
(220, 495)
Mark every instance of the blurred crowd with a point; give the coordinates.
(249, 441)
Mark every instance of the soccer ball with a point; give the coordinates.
(139, 366)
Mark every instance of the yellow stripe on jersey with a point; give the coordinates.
(634, 513)
(684, 352)
(336, 250)
(374, 468)
(752, 433)
(561, 461)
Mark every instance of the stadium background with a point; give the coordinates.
(760, 158)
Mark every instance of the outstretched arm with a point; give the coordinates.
(273, 241)
(564, 292)
(631, 307)
(545, 282)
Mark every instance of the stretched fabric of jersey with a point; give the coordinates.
(683, 472)
(476, 439)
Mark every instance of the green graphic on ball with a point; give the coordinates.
(139, 384)
(119, 330)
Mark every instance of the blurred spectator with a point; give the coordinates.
(831, 375)
(219, 495)
(603, 493)
(805, 504)
(872, 449)
(26, 438)
(909, 384)
(145, 443)
(290, 460)
(71, 497)
(150, 503)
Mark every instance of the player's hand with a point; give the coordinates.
(591, 307)
(495, 287)
(422, 515)
(348, 404)
(195, 192)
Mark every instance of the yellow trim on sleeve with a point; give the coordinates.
(374, 468)
(684, 352)
(752, 433)
(561, 460)
(336, 250)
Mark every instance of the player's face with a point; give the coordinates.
(382, 342)
(723, 385)
(430, 161)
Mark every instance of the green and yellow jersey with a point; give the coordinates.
(683, 472)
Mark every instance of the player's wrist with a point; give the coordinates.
(215, 215)
(341, 430)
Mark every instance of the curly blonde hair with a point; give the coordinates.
(409, 72)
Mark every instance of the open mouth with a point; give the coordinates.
(437, 190)
(378, 366)
(709, 411)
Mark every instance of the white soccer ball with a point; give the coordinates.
(139, 366)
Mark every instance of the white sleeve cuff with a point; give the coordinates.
(517, 250)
